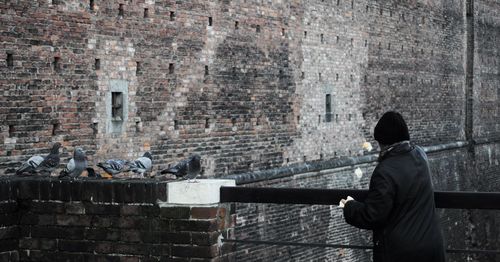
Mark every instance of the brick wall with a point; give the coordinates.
(244, 84)
(9, 218)
(110, 221)
(451, 171)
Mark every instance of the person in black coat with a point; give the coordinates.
(399, 207)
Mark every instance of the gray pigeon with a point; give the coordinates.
(51, 161)
(142, 164)
(188, 168)
(28, 167)
(114, 166)
(76, 165)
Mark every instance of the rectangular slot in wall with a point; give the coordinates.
(210, 21)
(97, 64)
(138, 69)
(146, 12)
(328, 108)
(10, 60)
(171, 68)
(56, 64)
(55, 128)
(12, 129)
(91, 5)
(120, 10)
(117, 106)
(172, 16)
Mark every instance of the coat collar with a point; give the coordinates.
(395, 149)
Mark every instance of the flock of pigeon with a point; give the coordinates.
(188, 168)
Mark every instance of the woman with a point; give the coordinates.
(399, 207)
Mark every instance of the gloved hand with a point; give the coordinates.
(343, 201)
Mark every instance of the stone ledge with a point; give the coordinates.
(90, 190)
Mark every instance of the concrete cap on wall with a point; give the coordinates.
(203, 191)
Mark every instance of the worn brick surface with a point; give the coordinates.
(247, 92)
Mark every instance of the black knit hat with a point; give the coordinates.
(391, 128)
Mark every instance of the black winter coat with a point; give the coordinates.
(400, 209)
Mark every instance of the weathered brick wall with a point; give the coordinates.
(486, 69)
(241, 82)
(47, 220)
(205, 77)
(451, 171)
(301, 223)
(9, 218)
(415, 66)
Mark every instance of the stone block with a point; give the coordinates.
(203, 191)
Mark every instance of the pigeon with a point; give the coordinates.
(76, 165)
(29, 166)
(142, 164)
(114, 166)
(188, 168)
(51, 161)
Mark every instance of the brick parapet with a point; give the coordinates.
(40, 223)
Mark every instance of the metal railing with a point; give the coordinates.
(312, 196)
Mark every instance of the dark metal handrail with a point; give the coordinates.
(315, 196)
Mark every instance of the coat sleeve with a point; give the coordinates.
(374, 211)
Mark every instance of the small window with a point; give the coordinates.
(305, 34)
(172, 16)
(322, 38)
(282, 31)
(236, 25)
(146, 12)
(91, 5)
(206, 70)
(257, 29)
(117, 106)
(171, 68)
(210, 21)
(328, 108)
